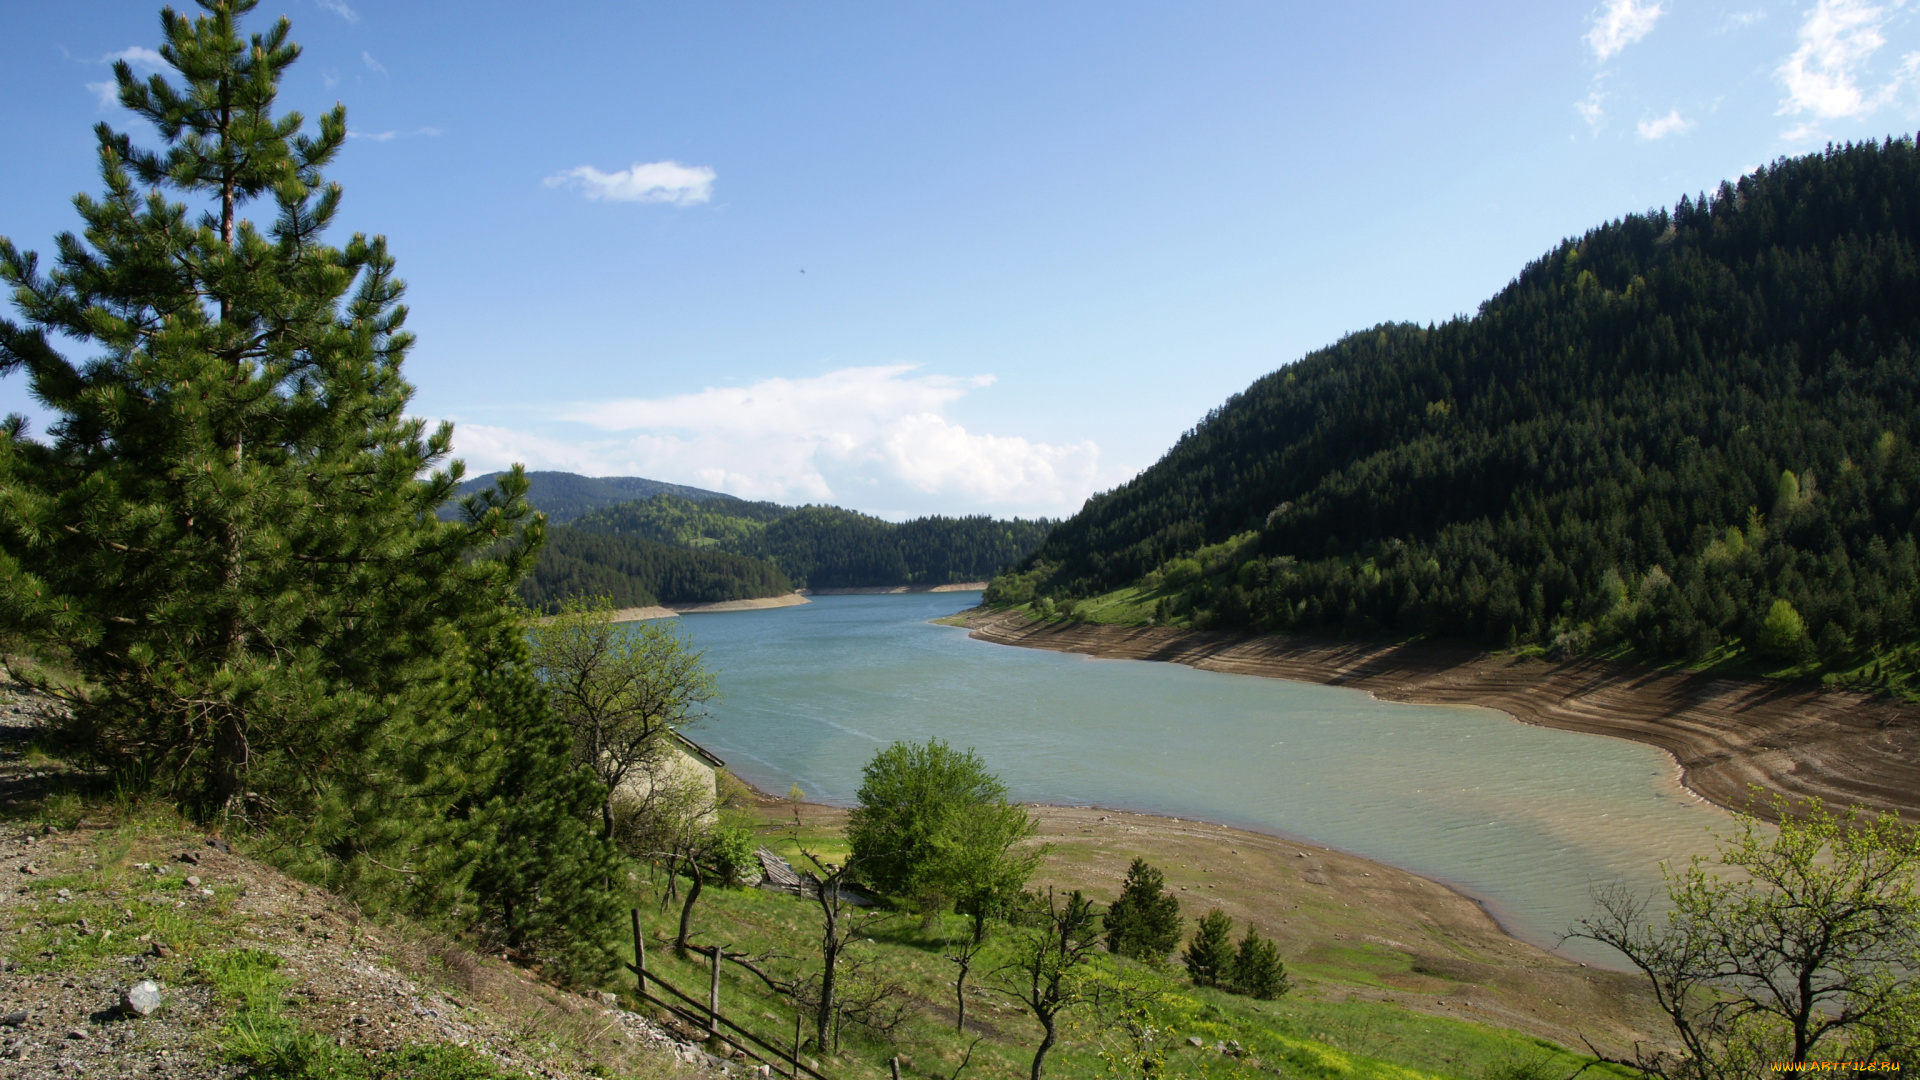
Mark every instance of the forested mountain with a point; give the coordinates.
(825, 547)
(563, 496)
(1689, 433)
(636, 572)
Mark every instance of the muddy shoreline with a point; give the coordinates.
(1728, 735)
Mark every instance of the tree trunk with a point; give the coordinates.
(686, 908)
(1046, 1044)
(960, 996)
(829, 961)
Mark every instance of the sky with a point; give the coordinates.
(960, 258)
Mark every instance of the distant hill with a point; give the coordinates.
(1688, 434)
(637, 572)
(563, 496)
(825, 547)
(645, 541)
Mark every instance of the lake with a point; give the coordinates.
(1525, 819)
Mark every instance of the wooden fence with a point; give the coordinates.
(706, 1015)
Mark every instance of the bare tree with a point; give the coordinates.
(621, 687)
(1061, 934)
(962, 955)
(837, 928)
(1810, 948)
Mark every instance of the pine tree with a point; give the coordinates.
(229, 532)
(1209, 955)
(1257, 970)
(1144, 923)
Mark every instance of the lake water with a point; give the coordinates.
(1525, 819)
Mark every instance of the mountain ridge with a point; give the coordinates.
(1687, 435)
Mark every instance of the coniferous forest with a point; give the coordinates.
(1687, 434)
(670, 549)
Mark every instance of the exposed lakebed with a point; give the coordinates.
(1526, 819)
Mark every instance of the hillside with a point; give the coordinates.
(825, 547)
(563, 496)
(264, 975)
(646, 542)
(1686, 435)
(637, 572)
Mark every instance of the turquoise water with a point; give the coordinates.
(1525, 819)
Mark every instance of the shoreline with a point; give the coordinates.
(663, 611)
(1725, 735)
(890, 590)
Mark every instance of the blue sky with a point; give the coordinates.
(916, 258)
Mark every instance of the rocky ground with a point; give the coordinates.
(94, 902)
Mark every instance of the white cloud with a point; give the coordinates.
(142, 60)
(874, 436)
(340, 8)
(1590, 109)
(1620, 24)
(138, 57)
(367, 58)
(659, 181)
(1661, 127)
(1822, 76)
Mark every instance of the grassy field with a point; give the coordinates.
(905, 959)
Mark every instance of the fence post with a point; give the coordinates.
(895, 1063)
(713, 996)
(639, 952)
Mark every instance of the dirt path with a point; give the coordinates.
(1727, 734)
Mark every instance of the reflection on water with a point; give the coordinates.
(1524, 818)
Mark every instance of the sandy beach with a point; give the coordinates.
(889, 590)
(643, 614)
(1728, 735)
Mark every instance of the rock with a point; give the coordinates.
(161, 950)
(63, 894)
(76, 1033)
(193, 881)
(142, 998)
(218, 844)
(29, 868)
(14, 1019)
(1195, 1042)
(609, 1000)
(187, 857)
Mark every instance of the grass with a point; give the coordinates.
(112, 905)
(1315, 1033)
(1312, 1033)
